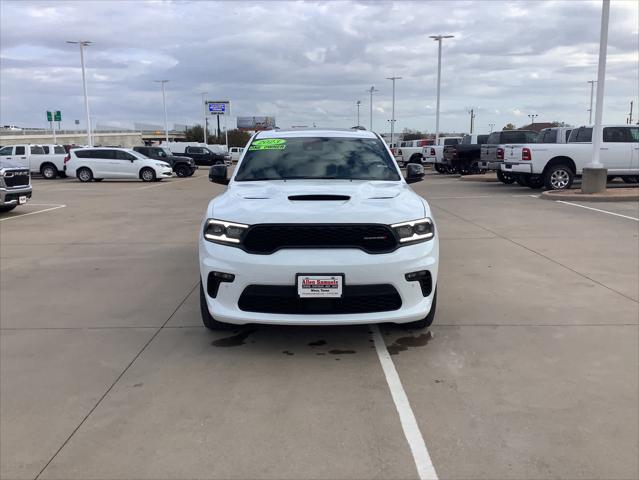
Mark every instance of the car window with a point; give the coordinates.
(159, 152)
(121, 155)
(467, 140)
(103, 154)
(6, 151)
(615, 134)
(197, 150)
(59, 150)
(451, 141)
(36, 150)
(567, 135)
(20, 150)
(45, 149)
(82, 153)
(494, 138)
(317, 158)
(548, 136)
(583, 134)
(634, 134)
(482, 139)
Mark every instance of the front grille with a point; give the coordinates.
(283, 299)
(16, 178)
(268, 238)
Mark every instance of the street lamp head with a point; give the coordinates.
(84, 43)
(439, 37)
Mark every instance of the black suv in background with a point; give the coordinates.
(204, 156)
(182, 166)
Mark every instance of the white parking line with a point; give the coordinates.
(159, 184)
(34, 213)
(598, 210)
(425, 467)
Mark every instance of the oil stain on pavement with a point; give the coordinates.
(404, 343)
(233, 341)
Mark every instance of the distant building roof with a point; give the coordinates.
(536, 127)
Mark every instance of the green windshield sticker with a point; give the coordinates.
(268, 144)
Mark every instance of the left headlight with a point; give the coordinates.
(163, 164)
(414, 231)
(227, 233)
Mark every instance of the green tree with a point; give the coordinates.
(412, 135)
(509, 126)
(559, 124)
(194, 134)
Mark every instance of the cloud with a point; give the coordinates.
(307, 62)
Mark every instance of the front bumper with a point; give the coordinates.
(165, 172)
(281, 267)
(509, 167)
(12, 196)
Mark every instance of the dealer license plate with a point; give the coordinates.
(320, 286)
(22, 199)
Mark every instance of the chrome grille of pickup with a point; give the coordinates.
(16, 178)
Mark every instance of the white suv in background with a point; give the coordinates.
(318, 227)
(117, 163)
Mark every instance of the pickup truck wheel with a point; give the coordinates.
(49, 171)
(450, 169)
(147, 174)
(84, 174)
(630, 179)
(427, 321)
(6, 208)
(505, 178)
(207, 319)
(181, 170)
(558, 177)
(439, 168)
(535, 182)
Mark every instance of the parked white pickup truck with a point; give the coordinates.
(435, 153)
(556, 165)
(412, 151)
(47, 160)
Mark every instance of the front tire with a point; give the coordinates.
(440, 168)
(181, 170)
(147, 174)
(84, 174)
(207, 319)
(558, 177)
(427, 321)
(505, 178)
(49, 171)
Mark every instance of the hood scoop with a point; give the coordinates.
(319, 198)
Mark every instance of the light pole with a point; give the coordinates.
(85, 43)
(359, 103)
(206, 120)
(532, 118)
(592, 89)
(491, 125)
(472, 119)
(166, 123)
(393, 109)
(372, 89)
(594, 174)
(438, 39)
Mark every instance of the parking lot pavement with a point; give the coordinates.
(531, 372)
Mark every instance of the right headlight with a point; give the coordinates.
(414, 231)
(227, 233)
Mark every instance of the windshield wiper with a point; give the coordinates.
(308, 177)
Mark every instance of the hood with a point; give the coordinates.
(318, 201)
(10, 164)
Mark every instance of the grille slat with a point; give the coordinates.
(283, 299)
(268, 238)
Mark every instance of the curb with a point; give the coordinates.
(611, 195)
(478, 178)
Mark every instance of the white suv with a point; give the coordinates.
(99, 163)
(318, 228)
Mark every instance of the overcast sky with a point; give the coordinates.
(306, 62)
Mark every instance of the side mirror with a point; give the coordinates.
(217, 174)
(414, 173)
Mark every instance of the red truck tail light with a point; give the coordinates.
(67, 158)
(525, 154)
(432, 152)
(500, 153)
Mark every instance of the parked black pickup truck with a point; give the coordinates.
(204, 156)
(182, 166)
(464, 157)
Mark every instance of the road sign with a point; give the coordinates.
(222, 107)
(49, 116)
(57, 117)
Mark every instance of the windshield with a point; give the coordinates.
(317, 158)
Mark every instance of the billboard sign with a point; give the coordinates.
(255, 123)
(218, 107)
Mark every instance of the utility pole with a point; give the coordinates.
(372, 89)
(630, 114)
(206, 120)
(491, 125)
(592, 89)
(595, 174)
(166, 122)
(359, 103)
(532, 118)
(393, 113)
(82, 44)
(438, 39)
(472, 120)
